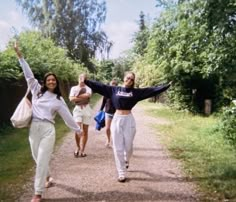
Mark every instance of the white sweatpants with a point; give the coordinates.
(123, 129)
(42, 139)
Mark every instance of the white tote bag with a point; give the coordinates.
(22, 116)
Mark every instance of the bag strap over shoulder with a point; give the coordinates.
(27, 92)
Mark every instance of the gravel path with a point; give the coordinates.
(152, 175)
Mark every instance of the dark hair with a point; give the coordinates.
(44, 88)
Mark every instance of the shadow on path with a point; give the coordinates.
(149, 195)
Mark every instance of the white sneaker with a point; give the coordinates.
(121, 179)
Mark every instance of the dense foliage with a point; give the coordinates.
(228, 124)
(104, 70)
(193, 49)
(74, 25)
(42, 55)
(141, 37)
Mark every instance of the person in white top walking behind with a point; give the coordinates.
(46, 103)
(82, 113)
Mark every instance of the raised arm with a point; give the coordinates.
(29, 76)
(18, 53)
(99, 87)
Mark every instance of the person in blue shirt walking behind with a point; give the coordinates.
(109, 113)
(123, 126)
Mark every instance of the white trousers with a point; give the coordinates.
(42, 139)
(123, 129)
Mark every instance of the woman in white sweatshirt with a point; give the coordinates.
(46, 103)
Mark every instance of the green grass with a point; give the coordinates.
(208, 159)
(16, 163)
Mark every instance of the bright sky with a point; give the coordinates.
(121, 21)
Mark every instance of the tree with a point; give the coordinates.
(199, 58)
(121, 65)
(221, 21)
(104, 70)
(73, 24)
(42, 55)
(220, 14)
(165, 3)
(141, 37)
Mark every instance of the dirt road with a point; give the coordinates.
(152, 175)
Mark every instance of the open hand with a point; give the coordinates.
(16, 45)
(16, 48)
(79, 133)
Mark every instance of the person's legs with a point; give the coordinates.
(108, 130)
(34, 139)
(87, 114)
(41, 153)
(118, 143)
(84, 139)
(77, 140)
(129, 134)
(78, 117)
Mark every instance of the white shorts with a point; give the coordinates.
(109, 116)
(82, 114)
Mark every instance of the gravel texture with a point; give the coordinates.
(152, 175)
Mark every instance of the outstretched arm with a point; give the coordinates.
(29, 76)
(152, 91)
(98, 87)
(65, 113)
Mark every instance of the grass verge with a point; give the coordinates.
(207, 158)
(17, 165)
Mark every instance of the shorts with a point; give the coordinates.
(82, 114)
(109, 116)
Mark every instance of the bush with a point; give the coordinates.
(228, 124)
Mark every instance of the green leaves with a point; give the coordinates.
(8, 66)
(193, 43)
(42, 55)
(141, 37)
(227, 124)
(73, 24)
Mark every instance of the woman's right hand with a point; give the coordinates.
(16, 48)
(79, 133)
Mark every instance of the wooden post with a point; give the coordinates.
(207, 109)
